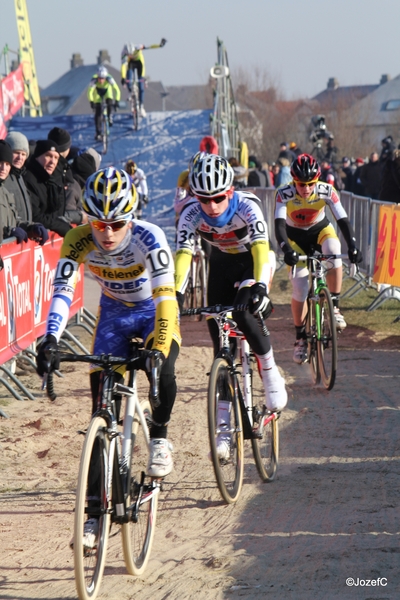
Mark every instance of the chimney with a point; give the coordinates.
(333, 83)
(76, 61)
(103, 57)
(384, 79)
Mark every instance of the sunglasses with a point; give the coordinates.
(114, 225)
(309, 183)
(216, 199)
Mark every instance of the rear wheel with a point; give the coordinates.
(228, 468)
(327, 342)
(311, 333)
(142, 502)
(91, 502)
(135, 107)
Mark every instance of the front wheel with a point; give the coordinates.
(226, 441)
(311, 334)
(141, 502)
(91, 503)
(327, 340)
(105, 133)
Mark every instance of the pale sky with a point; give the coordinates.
(299, 43)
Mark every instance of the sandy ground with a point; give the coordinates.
(332, 513)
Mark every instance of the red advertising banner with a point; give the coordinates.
(387, 258)
(3, 129)
(25, 293)
(12, 91)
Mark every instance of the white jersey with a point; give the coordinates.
(140, 182)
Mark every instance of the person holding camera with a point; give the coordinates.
(301, 225)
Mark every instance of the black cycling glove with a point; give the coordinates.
(355, 255)
(47, 359)
(260, 301)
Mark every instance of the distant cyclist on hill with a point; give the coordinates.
(140, 182)
(103, 85)
(132, 59)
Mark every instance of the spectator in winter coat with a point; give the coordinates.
(390, 190)
(15, 182)
(10, 224)
(293, 147)
(257, 177)
(283, 176)
(64, 177)
(47, 197)
(348, 174)
(371, 176)
(82, 167)
(358, 188)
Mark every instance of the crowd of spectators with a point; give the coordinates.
(376, 176)
(41, 183)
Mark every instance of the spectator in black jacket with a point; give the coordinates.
(370, 176)
(64, 176)
(257, 177)
(390, 190)
(47, 196)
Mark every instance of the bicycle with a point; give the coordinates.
(196, 290)
(321, 330)
(127, 496)
(249, 419)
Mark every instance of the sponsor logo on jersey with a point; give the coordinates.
(74, 251)
(146, 237)
(107, 273)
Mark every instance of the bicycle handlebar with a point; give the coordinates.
(107, 360)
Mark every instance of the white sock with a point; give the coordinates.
(274, 384)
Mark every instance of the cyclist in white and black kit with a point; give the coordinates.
(233, 223)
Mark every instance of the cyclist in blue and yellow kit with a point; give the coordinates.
(133, 264)
(301, 224)
(102, 85)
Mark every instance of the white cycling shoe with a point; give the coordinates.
(276, 394)
(160, 460)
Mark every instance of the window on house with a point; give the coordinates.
(392, 105)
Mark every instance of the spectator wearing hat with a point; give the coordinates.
(82, 167)
(15, 182)
(64, 177)
(293, 147)
(10, 224)
(47, 196)
(284, 152)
